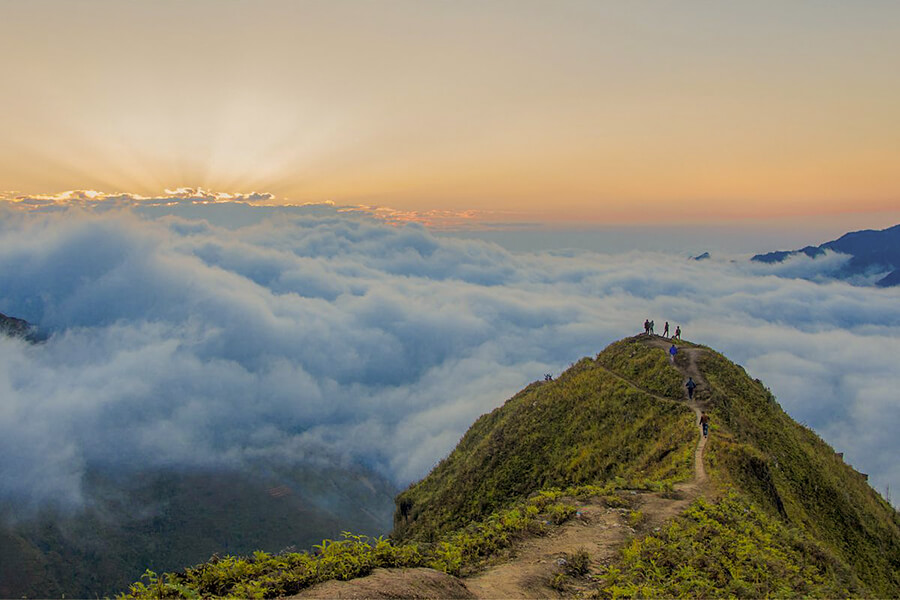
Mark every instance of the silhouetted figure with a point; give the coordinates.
(704, 422)
(548, 377)
(678, 332)
(690, 386)
(651, 327)
(672, 352)
(646, 326)
(666, 330)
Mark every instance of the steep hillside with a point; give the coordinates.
(596, 485)
(791, 471)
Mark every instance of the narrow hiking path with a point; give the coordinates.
(599, 530)
(689, 370)
(702, 390)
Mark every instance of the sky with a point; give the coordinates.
(315, 334)
(566, 114)
(347, 229)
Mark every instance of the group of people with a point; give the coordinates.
(648, 329)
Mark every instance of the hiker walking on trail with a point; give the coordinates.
(704, 422)
(672, 352)
(690, 386)
(666, 330)
(678, 332)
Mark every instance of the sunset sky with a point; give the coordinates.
(580, 112)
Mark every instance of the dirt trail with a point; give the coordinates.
(689, 370)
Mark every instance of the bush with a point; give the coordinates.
(578, 563)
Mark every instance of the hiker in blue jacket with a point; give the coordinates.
(672, 352)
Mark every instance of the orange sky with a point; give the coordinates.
(592, 111)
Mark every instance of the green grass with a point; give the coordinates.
(588, 426)
(727, 549)
(644, 365)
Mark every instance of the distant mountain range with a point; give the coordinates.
(870, 252)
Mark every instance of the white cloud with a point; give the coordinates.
(310, 333)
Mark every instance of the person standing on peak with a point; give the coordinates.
(646, 326)
(704, 422)
(690, 387)
(651, 327)
(666, 330)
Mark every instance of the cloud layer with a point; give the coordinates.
(315, 335)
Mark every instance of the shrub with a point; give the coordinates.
(578, 563)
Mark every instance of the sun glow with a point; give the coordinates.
(577, 112)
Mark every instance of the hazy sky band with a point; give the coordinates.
(587, 111)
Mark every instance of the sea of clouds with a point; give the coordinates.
(311, 334)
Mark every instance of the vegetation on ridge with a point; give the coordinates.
(727, 549)
(265, 575)
(588, 426)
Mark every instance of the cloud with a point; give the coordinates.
(309, 334)
(258, 204)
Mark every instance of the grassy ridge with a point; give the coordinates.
(588, 426)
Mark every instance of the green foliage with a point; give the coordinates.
(264, 575)
(587, 427)
(727, 549)
(635, 518)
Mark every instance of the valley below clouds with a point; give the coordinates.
(315, 337)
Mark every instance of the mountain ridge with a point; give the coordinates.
(869, 250)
